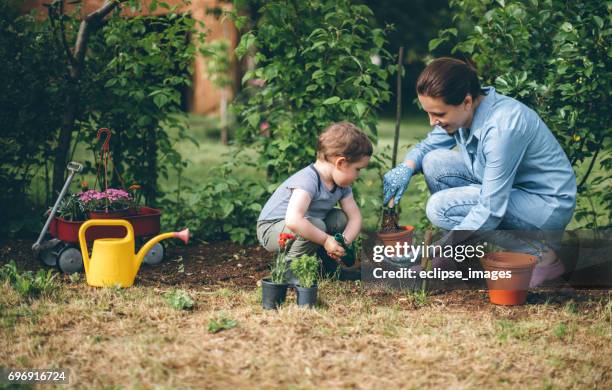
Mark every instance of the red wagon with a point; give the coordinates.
(145, 223)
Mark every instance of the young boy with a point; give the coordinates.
(304, 203)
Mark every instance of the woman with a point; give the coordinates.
(509, 172)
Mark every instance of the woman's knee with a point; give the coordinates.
(436, 160)
(435, 210)
(447, 208)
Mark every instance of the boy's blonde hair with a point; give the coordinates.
(343, 139)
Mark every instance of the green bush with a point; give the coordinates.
(225, 206)
(315, 58)
(553, 56)
(31, 75)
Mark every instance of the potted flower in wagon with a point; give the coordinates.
(274, 288)
(305, 269)
(111, 203)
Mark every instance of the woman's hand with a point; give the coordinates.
(333, 248)
(395, 183)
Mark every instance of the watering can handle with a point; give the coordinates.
(129, 236)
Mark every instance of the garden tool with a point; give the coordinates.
(349, 250)
(73, 168)
(113, 261)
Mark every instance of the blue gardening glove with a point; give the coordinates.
(395, 183)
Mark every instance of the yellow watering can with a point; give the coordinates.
(113, 261)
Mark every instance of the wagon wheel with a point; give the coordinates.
(70, 260)
(50, 252)
(155, 255)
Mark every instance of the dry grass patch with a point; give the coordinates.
(360, 338)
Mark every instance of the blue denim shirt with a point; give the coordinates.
(508, 146)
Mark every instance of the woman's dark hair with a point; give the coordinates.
(450, 79)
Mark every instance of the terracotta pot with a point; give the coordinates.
(402, 236)
(512, 290)
(101, 214)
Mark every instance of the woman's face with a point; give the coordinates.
(447, 116)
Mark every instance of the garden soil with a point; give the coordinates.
(226, 264)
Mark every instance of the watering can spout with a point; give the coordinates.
(182, 235)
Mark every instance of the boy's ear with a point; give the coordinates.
(340, 161)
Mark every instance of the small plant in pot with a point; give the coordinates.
(305, 269)
(274, 288)
(391, 232)
(111, 203)
(71, 208)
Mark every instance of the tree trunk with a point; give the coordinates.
(151, 156)
(76, 60)
(64, 141)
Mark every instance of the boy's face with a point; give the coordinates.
(345, 173)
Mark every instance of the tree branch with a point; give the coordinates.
(63, 35)
(592, 164)
(90, 21)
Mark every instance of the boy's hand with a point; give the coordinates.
(395, 183)
(333, 248)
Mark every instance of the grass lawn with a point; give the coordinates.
(357, 338)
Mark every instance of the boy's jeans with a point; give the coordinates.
(268, 232)
(455, 191)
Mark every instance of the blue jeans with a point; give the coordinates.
(455, 191)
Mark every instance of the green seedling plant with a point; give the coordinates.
(71, 208)
(279, 267)
(28, 284)
(278, 270)
(179, 300)
(222, 322)
(305, 269)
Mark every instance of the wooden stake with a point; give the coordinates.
(398, 112)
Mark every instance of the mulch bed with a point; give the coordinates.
(220, 263)
(226, 264)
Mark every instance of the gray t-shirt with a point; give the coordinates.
(307, 179)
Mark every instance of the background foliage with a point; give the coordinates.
(135, 75)
(315, 60)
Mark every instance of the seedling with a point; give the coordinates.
(27, 284)
(179, 299)
(220, 323)
(305, 270)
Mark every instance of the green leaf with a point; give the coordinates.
(434, 43)
(331, 100)
(246, 42)
(599, 21)
(160, 100)
(360, 109)
(567, 27)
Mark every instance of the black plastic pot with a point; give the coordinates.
(306, 296)
(272, 294)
